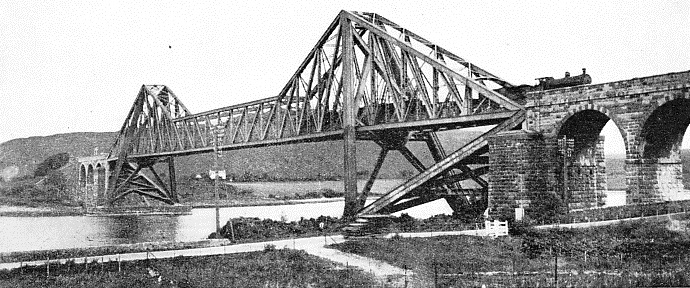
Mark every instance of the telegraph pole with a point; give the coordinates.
(216, 170)
(215, 180)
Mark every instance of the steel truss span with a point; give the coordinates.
(366, 78)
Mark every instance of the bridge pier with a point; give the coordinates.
(651, 180)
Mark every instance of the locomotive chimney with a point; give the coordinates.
(584, 71)
(567, 74)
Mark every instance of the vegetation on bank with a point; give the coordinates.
(255, 229)
(640, 253)
(48, 186)
(270, 268)
(72, 253)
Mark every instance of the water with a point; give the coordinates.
(40, 233)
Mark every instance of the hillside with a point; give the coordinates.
(320, 160)
(19, 157)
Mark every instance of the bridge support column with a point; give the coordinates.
(172, 179)
(522, 175)
(583, 170)
(349, 117)
(652, 180)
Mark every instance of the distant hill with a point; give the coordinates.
(20, 157)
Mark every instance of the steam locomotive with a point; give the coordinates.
(517, 93)
(546, 83)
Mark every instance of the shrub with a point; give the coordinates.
(51, 163)
(269, 247)
(330, 193)
(406, 222)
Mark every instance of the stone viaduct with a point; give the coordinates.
(558, 153)
(92, 181)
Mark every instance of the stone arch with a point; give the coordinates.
(582, 169)
(100, 182)
(663, 128)
(658, 170)
(89, 174)
(603, 110)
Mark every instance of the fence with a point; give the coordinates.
(496, 228)
(619, 212)
(450, 275)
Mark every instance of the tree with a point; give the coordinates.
(55, 184)
(51, 163)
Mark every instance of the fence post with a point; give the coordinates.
(48, 267)
(405, 267)
(119, 267)
(435, 275)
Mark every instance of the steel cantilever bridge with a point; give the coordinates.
(366, 78)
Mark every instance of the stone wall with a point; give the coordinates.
(521, 173)
(586, 178)
(652, 180)
(527, 171)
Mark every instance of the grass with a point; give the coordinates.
(274, 268)
(642, 253)
(71, 253)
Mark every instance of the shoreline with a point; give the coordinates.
(62, 211)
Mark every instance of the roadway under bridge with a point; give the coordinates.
(368, 79)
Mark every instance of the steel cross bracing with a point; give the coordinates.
(365, 78)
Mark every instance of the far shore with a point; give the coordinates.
(59, 211)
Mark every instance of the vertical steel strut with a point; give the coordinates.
(349, 118)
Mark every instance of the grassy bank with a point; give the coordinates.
(271, 268)
(645, 253)
(73, 253)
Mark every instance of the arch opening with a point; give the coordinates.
(660, 169)
(100, 183)
(663, 131)
(89, 175)
(588, 141)
(82, 176)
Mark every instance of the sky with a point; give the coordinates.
(76, 66)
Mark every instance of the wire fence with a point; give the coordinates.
(448, 275)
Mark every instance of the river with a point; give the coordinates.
(42, 233)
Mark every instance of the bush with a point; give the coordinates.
(330, 193)
(51, 163)
(257, 229)
(406, 222)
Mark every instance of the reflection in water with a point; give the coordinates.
(41, 233)
(135, 229)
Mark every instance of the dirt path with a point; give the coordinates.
(313, 245)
